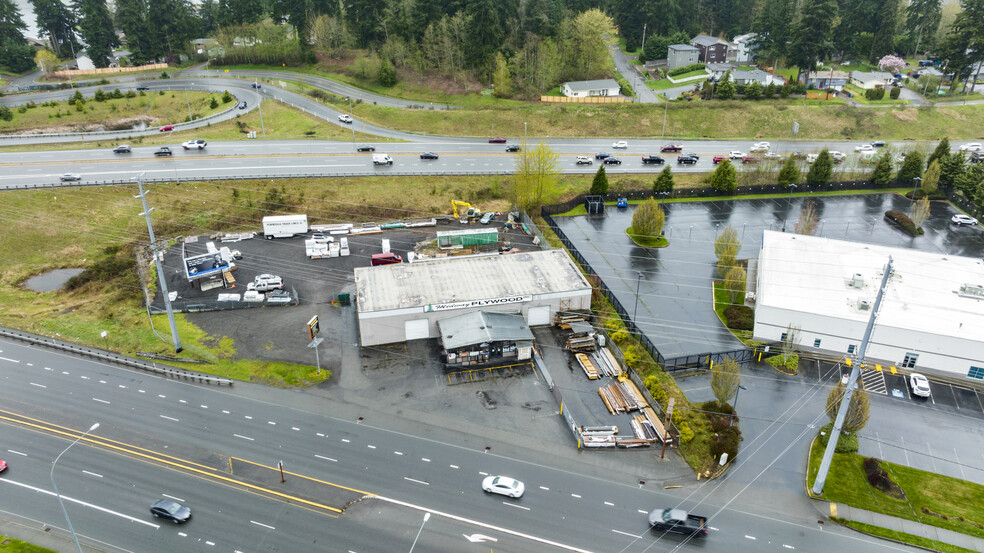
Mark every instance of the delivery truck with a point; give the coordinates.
(284, 226)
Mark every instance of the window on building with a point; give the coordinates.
(976, 372)
(816, 343)
(850, 348)
(910, 360)
(783, 337)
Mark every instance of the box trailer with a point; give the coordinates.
(284, 226)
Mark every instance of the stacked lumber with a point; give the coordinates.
(612, 364)
(563, 319)
(619, 399)
(584, 344)
(599, 441)
(633, 392)
(588, 366)
(653, 421)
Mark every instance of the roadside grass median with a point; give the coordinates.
(11, 545)
(932, 499)
(918, 541)
(860, 98)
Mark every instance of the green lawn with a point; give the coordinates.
(693, 73)
(663, 84)
(886, 101)
(10, 545)
(932, 499)
(918, 541)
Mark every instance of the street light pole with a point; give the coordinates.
(666, 106)
(734, 407)
(58, 495)
(915, 184)
(426, 518)
(789, 206)
(636, 310)
(187, 101)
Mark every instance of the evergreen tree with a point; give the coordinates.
(789, 174)
(885, 29)
(931, 178)
(17, 55)
(207, 16)
(599, 186)
(11, 23)
(296, 14)
(964, 46)
(952, 166)
(172, 25)
(942, 149)
(387, 73)
(725, 90)
(882, 175)
(131, 18)
(922, 19)
(753, 91)
(486, 33)
(96, 27)
(773, 28)
(770, 90)
(725, 177)
(811, 37)
(820, 170)
(911, 168)
(664, 183)
(56, 22)
(237, 12)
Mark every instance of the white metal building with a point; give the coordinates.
(931, 317)
(403, 302)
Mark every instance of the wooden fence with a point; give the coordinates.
(100, 70)
(586, 99)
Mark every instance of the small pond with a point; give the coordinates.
(52, 280)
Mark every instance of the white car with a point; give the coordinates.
(971, 147)
(759, 147)
(584, 160)
(900, 158)
(864, 148)
(620, 144)
(772, 155)
(195, 144)
(66, 177)
(837, 156)
(810, 158)
(919, 385)
(736, 154)
(345, 118)
(961, 219)
(503, 485)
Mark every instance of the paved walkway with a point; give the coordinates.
(900, 524)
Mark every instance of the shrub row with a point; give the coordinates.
(685, 69)
(903, 220)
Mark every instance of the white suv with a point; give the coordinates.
(265, 283)
(345, 118)
(584, 160)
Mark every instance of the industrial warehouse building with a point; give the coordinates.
(405, 301)
(931, 318)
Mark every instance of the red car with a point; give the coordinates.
(750, 159)
(3, 465)
(497, 140)
(166, 128)
(672, 148)
(719, 159)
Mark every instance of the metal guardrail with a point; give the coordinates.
(107, 357)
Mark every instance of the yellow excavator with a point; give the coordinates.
(462, 210)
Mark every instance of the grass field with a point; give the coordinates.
(663, 84)
(919, 541)
(10, 545)
(694, 73)
(931, 499)
(886, 101)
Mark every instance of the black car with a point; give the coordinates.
(143, 87)
(653, 159)
(513, 148)
(878, 143)
(602, 155)
(256, 85)
(171, 510)
(428, 155)
(687, 159)
(612, 161)
(366, 149)
(163, 151)
(124, 149)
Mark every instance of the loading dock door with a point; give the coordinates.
(537, 316)
(418, 329)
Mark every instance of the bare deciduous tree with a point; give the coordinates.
(734, 283)
(725, 378)
(791, 340)
(920, 212)
(537, 174)
(858, 411)
(808, 219)
(726, 248)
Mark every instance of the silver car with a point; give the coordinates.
(66, 177)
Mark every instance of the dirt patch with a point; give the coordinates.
(906, 115)
(487, 400)
(112, 125)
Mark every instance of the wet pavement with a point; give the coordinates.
(675, 296)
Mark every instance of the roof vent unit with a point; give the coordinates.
(975, 291)
(857, 281)
(864, 305)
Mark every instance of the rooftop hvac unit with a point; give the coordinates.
(864, 305)
(857, 281)
(972, 291)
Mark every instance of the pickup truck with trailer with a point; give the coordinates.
(678, 521)
(653, 159)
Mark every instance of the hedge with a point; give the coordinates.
(685, 69)
(903, 220)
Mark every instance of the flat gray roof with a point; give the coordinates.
(422, 283)
(477, 327)
(592, 85)
(682, 47)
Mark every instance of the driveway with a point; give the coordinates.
(629, 71)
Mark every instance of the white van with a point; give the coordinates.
(382, 159)
(343, 246)
(386, 245)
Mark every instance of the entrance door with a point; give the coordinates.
(417, 329)
(537, 316)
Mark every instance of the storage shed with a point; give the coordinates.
(404, 301)
(483, 337)
(450, 239)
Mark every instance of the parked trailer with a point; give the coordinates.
(284, 226)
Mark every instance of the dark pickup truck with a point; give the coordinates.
(678, 521)
(653, 159)
(163, 151)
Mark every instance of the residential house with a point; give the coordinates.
(584, 89)
(717, 70)
(743, 76)
(873, 79)
(822, 80)
(741, 48)
(712, 50)
(681, 55)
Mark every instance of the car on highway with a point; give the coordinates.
(718, 159)
(428, 155)
(497, 140)
(163, 151)
(678, 521)
(671, 148)
(142, 87)
(170, 510)
(864, 148)
(620, 144)
(772, 155)
(900, 158)
(759, 147)
(919, 385)
(583, 160)
(810, 158)
(166, 128)
(243, 105)
(751, 159)
(345, 118)
(256, 85)
(513, 148)
(653, 160)
(195, 144)
(612, 161)
(878, 143)
(3, 465)
(66, 177)
(503, 485)
(961, 219)
(735, 154)
(602, 155)
(836, 156)
(366, 148)
(122, 149)
(971, 147)
(687, 159)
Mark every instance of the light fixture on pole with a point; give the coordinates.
(735, 406)
(915, 184)
(58, 495)
(636, 310)
(426, 518)
(187, 101)
(789, 206)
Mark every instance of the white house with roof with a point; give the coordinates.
(584, 89)
(746, 77)
(822, 80)
(871, 79)
(741, 48)
(931, 318)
